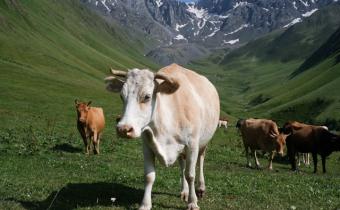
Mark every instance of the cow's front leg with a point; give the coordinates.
(201, 182)
(271, 157)
(191, 160)
(185, 187)
(149, 176)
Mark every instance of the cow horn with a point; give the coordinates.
(118, 73)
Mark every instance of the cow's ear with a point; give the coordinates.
(88, 103)
(165, 83)
(76, 102)
(114, 84)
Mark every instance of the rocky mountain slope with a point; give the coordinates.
(179, 31)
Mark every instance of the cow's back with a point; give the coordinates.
(95, 119)
(196, 102)
(304, 137)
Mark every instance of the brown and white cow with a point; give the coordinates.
(306, 138)
(90, 124)
(176, 112)
(261, 134)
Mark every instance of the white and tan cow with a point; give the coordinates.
(176, 112)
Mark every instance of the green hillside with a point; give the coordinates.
(52, 52)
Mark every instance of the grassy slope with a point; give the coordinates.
(54, 51)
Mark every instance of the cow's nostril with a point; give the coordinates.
(129, 129)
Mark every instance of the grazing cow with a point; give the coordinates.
(261, 134)
(310, 138)
(90, 124)
(223, 122)
(176, 111)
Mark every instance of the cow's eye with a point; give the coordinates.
(146, 98)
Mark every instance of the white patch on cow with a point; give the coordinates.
(307, 14)
(295, 21)
(238, 29)
(231, 41)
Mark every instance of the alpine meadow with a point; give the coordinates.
(270, 59)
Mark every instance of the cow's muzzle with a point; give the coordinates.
(126, 131)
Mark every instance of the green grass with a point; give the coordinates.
(57, 173)
(52, 52)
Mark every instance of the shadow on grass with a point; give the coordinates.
(88, 195)
(66, 148)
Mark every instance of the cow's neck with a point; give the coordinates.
(161, 134)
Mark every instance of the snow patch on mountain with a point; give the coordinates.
(307, 14)
(238, 29)
(159, 3)
(231, 42)
(199, 13)
(240, 4)
(180, 37)
(295, 21)
(178, 26)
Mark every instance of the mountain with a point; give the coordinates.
(256, 80)
(212, 24)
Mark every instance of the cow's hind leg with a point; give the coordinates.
(315, 161)
(185, 187)
(246, 149)
(257, 163)
(191, 160)
(323, 158)
(95, 143)
(201, 182)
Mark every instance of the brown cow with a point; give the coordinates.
(310, 138)
(261, 134)
(90, 123)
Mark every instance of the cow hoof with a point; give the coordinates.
(193, 206)
(184, 196)
(144, 207)
(200, 193)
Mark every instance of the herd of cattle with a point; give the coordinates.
(176, 112)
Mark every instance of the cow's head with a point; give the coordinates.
(82, 110)
(138, 90)
(280, 139)
(280, 143)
